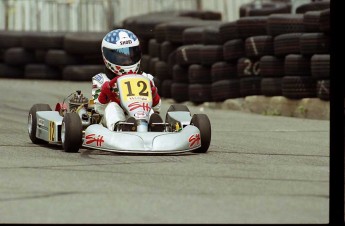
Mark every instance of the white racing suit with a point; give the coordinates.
(112, 112)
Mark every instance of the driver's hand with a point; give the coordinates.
(153, 90)
(106, 88)
(106, 94)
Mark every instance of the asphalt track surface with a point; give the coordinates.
(258, 169)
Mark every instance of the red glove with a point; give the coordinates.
(153, 90)
(155, 95)
(113, 81)
(106, 94)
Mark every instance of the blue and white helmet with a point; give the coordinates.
(121, 52)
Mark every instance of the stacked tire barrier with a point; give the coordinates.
(268, 51)
(195, 56)
(74, 56)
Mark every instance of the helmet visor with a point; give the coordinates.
(124, 56)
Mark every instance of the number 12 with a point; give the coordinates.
(139, 84)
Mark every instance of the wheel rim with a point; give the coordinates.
(30, 123)
(63, 133)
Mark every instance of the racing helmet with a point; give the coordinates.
(121, 52)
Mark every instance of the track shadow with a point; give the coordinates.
(88, 152)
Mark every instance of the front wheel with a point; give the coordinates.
(71, 132)
(202, 122)
(32, 121)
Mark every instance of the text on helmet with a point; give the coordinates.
(125, 42)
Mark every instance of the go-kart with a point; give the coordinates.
(77, 124)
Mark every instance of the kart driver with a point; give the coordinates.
(121, 54)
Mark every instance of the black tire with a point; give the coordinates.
(10, 71)
(202, 122)
(228, 31)
(233, 50)
(311, 21)
(172, 59)
(202, 14)
(145, 62)
(43, 40)
(211, 36)
(313, 6)
(258, 46)
(225, 89)
(18, 56)
(199, 74)
(40, 55)
(159, 32)
(247, 67)
(266, 8)
(174, 30)
(166, 48)
(298, 87)
(154, 48)
(60, 58)
(166, 88)
(188, 54)
(210, 54)
(271, 86)
(145, 25)
(2, 55)
(223, 70)
(250, 86)
(83, 42)
(314, 43)
(287, 44)
(271, 66)
(9, 39)
(193, 35)
(41, 71)
(179, 91)
(251, 26)
(32, 121)
(297, 65)
(325, 21)
(180, 74)
(71, 132)
(200, 93)
(81, 72)
(320, 66)
(162, 71)
(152, 65)
(278, 24)
(144, 45)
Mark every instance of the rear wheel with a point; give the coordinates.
(202, 122)
(71, 132)
(32, 121)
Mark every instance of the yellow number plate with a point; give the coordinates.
(135, 89)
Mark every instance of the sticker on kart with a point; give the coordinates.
(135, 89)
(93, 138)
